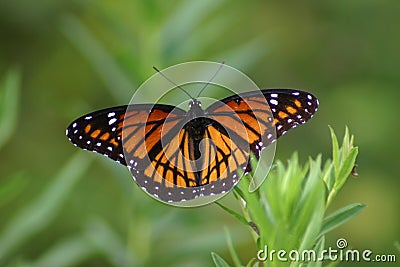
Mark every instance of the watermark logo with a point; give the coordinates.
(341, 253)
(341, 243)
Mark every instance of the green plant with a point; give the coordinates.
(288, 211)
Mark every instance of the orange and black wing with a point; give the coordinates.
(258, 118)
(152, 142)
(147, 139)
(100, 132)
(157, 150)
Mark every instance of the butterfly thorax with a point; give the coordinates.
(197, 121)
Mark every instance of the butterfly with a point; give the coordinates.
(177, 155)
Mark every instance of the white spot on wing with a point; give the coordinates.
(112, 121)
(111, 114)
(273, 102)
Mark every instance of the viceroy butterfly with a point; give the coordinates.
(212, 134)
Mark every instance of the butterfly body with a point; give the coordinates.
(177, 155)
(197, 121)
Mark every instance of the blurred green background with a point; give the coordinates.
(61, 206)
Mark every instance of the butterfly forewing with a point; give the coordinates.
(100, 132)
(290, 108)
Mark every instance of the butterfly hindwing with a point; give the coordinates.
(161, 158)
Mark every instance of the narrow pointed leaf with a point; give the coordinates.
(218, 261)
(341, 216)
(335, 150)
(347, 167)
(234, 255)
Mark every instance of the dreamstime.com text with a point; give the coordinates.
(338, 254)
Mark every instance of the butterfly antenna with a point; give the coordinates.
(171, 81)
(212, 78)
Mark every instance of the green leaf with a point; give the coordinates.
(9, 94)
(252, 263)
(346, 145)
(218, 260)
(346, 168)
(233, 213)
(311, 216)
(341, 216)
(335, 150)
(235, 257)
(328, 176)
(318, 251)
